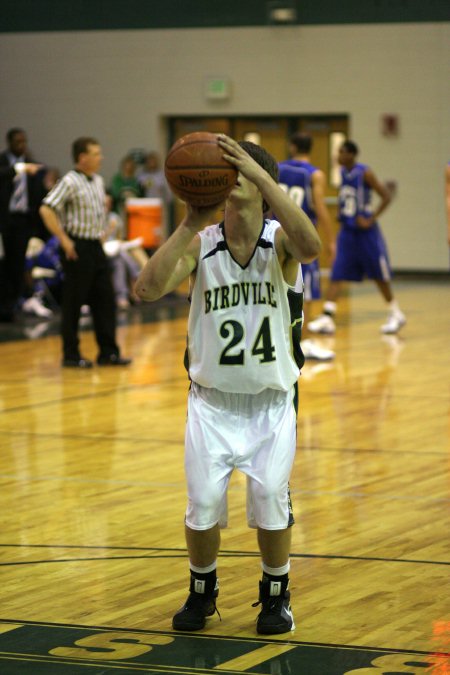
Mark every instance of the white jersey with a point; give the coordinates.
(244, 321)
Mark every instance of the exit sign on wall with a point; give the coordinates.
(217, 88)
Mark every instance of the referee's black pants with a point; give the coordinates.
(87, 281)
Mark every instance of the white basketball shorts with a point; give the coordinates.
(255, 433)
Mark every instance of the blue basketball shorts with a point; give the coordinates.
(361, 253)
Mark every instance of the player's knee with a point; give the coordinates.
(206, 506)
(269, 493)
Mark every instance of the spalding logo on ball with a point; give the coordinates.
(197, 172)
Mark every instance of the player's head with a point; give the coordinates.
(264, 159)
(347, 153)
(300, 144)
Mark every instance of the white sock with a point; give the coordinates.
(276, 571)
(329, 307)
(203, 570)
(393, 306)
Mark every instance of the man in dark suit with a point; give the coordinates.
(21, 192)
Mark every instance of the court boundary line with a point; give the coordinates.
(204, 636)
(226, 553)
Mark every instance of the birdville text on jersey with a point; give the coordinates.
(245, 292)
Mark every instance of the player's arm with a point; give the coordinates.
(300, 240)
(323, 215)
(176, 259)
(382, 192)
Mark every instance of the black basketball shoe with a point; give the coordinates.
(201, 603)
(276, 613)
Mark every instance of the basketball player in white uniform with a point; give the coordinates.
(243, 359)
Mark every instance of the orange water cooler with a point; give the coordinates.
(145, 219)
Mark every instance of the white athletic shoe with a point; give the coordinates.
(34, 305)
(394, 322)
(323, 324)
(313, 352)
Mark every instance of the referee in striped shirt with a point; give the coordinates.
(74, 211)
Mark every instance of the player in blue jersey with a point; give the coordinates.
(305, 184)
(361, 249)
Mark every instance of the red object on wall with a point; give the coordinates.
(390, 125)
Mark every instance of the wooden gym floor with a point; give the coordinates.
(93, 561)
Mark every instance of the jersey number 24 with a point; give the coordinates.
(262, 345)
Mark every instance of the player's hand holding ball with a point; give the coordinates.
(240, 158)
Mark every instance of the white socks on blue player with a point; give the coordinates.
(330, 308)
(393, 307)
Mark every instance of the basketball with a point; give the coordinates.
(196, 171)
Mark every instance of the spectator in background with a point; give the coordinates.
(43, 265)
(125, 269)
(154, 184)
(153, 179)
(125, 185)
(43, 269)
(21, 192)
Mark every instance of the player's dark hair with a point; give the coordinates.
(81, 145)
(351, 147)
(302, 142)
(264, 159)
